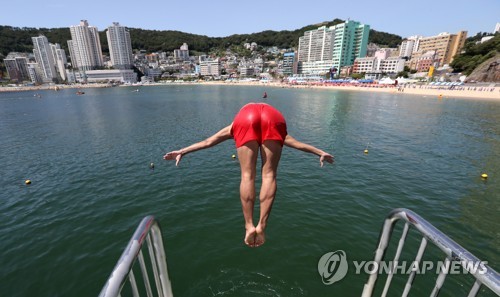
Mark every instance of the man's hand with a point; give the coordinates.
(326, 157)
(177, 155)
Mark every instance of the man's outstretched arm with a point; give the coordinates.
(223, 135)
(294, 143)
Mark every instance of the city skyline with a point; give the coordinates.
(429, 17)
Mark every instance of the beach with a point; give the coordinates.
(465, 91)
(473, 92)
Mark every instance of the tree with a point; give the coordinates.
(402, 74)
(358, 75)
(475, 54)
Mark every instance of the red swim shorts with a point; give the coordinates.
(258, 121)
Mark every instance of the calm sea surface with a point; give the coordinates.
(88, 159)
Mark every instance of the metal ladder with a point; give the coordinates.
(453, 251)
(148, 232)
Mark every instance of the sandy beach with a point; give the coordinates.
(466, 91)
(471, 92)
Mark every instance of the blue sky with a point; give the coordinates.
(223, 18)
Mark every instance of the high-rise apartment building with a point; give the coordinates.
(17, 66)
(332, 47)
(289, 64)
(182, 54)
(44, 58)
(316, 45)
(497, 28)
(35, 73)
(60, 59)
(85, 47)
(409, 46)
(120, 47)
(351, 40)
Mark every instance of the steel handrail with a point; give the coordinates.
(454, 252)
(148, 231)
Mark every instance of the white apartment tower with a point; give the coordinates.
(85, 47)
(120, 46)
(406, 48)
(60, 59)
(44, 58)
(315, 50)
(409, 46)
(316, 45)
(182, 54)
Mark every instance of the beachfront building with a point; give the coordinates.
(445, 46)
(332, 47)
(246, 71)
(391, 65)
(210, 67)
(351, 40)
(182, 54)
(60, 60)
(111, 75)
(17, 66)
(120, 46)
(315, 51)
(44, 58)
(35, 73)
(497, 28)
(289, 65)
(365, 65)
(375, 66)
(316, 45)
(85, 47)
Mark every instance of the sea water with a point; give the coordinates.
(88, 158)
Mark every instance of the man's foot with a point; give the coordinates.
(250, 236)
(260, 236)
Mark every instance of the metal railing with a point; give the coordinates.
(484, 274)
(148, 231)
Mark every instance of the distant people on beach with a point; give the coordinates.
(257, 127)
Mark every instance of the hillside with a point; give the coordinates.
(19, 39)
(476, 54)
(488, 71)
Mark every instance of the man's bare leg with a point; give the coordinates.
(270, 153)
(247, 155)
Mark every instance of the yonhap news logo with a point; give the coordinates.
(333, 267)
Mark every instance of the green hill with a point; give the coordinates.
(19, 39)
(475, 54)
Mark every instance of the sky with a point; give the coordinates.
(223, 18)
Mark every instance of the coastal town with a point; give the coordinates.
(328, 56)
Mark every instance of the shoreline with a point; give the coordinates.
(424, 90)
(466, 91)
